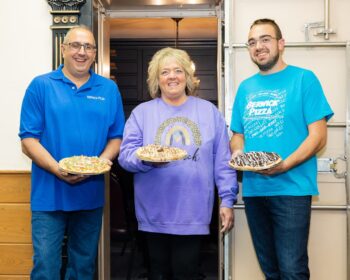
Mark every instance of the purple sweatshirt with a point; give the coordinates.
(178, 197)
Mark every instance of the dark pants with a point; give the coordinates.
(173, 256)
(279, 226)
(83, 232)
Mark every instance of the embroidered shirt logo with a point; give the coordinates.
(96, 97)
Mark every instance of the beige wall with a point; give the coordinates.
(25, 51)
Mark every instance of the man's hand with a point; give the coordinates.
(279, 168)
(70, 178)
(108, 161)
(236, 153)
(313, 143)
(227, 219)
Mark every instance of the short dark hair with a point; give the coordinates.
(81, 27)
(272, 23)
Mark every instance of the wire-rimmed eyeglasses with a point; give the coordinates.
(76, 47)
(264, 40)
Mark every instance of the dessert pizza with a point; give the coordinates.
(158, 153)
(84, 165)
(255, 161)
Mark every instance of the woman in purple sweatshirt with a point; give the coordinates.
(174, 201)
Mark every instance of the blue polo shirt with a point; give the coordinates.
(69, 121)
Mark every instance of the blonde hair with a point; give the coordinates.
(182, 58)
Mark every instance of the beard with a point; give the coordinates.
(269, 64)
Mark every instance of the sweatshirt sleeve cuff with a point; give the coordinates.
(144, 167)
(228, 202)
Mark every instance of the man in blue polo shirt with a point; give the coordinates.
(70, 111)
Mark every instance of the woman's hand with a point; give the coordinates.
(227, 219)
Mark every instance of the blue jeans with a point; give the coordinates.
(83, 232)
(279, 226)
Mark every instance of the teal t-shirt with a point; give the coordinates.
(273, 112)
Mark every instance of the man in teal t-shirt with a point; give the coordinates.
(281, 109)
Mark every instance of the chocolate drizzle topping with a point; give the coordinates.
(255, 160)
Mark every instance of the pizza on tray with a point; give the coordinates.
(255, 161)
(158, 153)
(84, 165)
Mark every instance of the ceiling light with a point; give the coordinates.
(177, 20)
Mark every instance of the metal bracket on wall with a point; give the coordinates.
(321, 30)
(330, 165)
(325, 31)
(335, 170)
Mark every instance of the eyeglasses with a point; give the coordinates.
(76, 47)
(265, 40)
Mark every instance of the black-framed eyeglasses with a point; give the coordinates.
(76, 46)
(265, 40)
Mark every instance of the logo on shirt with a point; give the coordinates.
(179, 132)
(261, 108)
(96, 97)
(264, 114)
